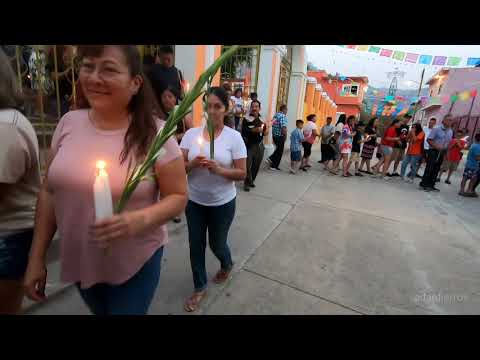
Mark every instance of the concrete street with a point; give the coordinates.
(315, 243)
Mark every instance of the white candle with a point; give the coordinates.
(201, 142)
(101, 193)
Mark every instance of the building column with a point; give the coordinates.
(193, 60)
(310, 96)
(267, 87)
(298, 83)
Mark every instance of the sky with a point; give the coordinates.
(348, 62)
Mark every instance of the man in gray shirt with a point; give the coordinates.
(326, 133)
(438, 140)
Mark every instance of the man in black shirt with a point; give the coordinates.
(400, 147)
(165, 74)
(253, 131)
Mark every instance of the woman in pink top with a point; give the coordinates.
(116, 124)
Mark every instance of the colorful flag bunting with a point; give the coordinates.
(411, 57)
(445, 99)
(464, 95)
(454, 98)
(425, 59)
(474, 92)
(473, 61)
(439, 60)
(454, 61)
(399, 55)
(414, 58)
(386, 52)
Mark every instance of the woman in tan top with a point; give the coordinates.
(19, 185)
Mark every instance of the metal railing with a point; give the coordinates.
(241, 70)
(48, 79)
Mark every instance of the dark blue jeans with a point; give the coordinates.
(133, 297)
(14, 250)
(217, 220)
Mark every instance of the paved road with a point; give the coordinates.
(315, 243)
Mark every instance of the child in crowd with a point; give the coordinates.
(471, 169)
(454, 155)
(333, 154)
(296, 139)
(357, 142)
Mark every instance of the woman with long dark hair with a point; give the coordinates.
(19, 185)
(370, 145)
(114, 262)
(212, 193)
(414, 153)
(388, 140)
(168, 99)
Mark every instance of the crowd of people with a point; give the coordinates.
(438, 147)
(115, 263)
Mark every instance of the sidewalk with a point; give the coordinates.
(314, 243)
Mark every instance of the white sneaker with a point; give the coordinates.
(411, 181)
(292, 171)
(386, 178)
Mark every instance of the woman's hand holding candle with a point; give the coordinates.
(213, 166)
(117, 227)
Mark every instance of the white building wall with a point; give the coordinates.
(298, 83)
(267, 87)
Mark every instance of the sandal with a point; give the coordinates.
(221, 276)
(194, 301)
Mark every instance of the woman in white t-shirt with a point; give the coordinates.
(212, 192)
(310, 133)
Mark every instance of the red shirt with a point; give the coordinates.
(390, 133)
(454, 153)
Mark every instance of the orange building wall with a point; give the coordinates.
(199, 69)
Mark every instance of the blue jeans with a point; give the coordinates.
(14, 250)
(133, 297)
(414, 161)
(217, 220)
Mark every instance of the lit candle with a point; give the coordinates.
(187, 86)
(201, 142)
(101, 193)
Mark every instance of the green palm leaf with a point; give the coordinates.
(170, 127)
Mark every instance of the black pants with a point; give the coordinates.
(254, 160)
(237, 122)
(276, 157)
(307, 149)
(324, 151)
(434, 159)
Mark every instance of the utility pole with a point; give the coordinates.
(418, 94)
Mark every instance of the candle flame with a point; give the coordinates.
(101, 165)
(200, 141)
(187, 86)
